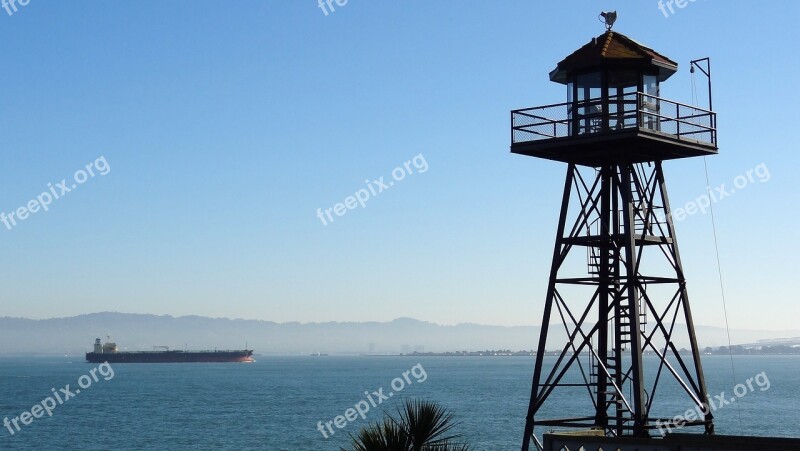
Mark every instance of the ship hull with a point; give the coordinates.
(171, 357)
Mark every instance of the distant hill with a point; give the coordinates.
(75, 335)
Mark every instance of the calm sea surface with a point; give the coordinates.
(275, 403)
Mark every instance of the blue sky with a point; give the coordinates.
(226, 125)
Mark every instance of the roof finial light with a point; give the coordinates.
(608, 19)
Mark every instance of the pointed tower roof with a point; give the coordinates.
(612, 49)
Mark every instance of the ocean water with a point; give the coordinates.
(277, 402)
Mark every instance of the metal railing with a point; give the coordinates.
(622, 112)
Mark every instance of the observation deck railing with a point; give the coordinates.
(635, 110)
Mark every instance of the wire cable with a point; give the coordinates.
(719, 265)
(722, 292)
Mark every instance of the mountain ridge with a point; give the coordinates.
(142, 331)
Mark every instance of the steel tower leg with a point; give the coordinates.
(548, 308)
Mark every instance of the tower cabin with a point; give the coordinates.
(614, 113)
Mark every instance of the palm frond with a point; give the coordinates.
(419, 426)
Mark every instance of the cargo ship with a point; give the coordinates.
(108, 352)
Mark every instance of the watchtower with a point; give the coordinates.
(616, 281)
